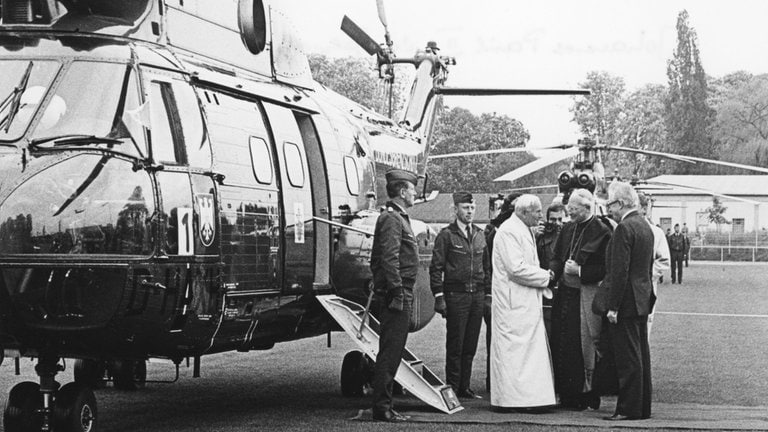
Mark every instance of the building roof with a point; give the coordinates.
(736, 185)
(439, 210)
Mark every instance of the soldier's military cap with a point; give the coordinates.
(462, 198)
(394, 175)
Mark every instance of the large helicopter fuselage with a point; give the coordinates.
(148, 211)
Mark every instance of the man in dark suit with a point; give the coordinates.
(394, 264)
(630, 298)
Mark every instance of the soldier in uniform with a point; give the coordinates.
(394, 263)
(676, 243)
(460, 278)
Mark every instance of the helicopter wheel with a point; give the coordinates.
(75, 409)
(90, 372)
(22, 408)
(129, 374)
(356, 373)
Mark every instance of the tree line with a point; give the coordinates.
(694, 114)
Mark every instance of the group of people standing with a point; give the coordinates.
(601, 278)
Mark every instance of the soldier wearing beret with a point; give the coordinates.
(460, 278)
(394, 263)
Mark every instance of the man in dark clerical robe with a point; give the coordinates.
(579, 265)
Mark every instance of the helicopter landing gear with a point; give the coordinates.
(356, 374)
(129, 374)
(75, 409)
(22, 408)
(90, 372)
(33, 407)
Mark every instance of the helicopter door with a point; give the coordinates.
(305, 194)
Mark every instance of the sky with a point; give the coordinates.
(544, 44)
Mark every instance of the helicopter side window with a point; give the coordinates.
(261, 160)
(167, 133)
(350, 172)
(294, 164)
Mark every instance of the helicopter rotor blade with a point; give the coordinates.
(679, 158)
(480, 152)
(468, 91)
(382, 13)
(728, 164)
(706, 191)
(360, 37)
(539, 164)
(552, 186)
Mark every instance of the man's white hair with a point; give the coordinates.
(524, 203)
(623, 192)
(584, 196)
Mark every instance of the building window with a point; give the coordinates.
(353, 179)
(738, 225)
(666, 224)
(261, 160)
(294, 164)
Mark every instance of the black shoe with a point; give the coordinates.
(592, 401)
(620, 417)
(390, 416)
(468, 394)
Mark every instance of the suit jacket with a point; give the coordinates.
(629, 267)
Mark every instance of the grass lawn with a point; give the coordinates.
(714, 360)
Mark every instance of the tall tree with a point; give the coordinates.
(598, 114)
(357, 79)
(459, 130)
(642, 127)
(688, 116)
(741, 125)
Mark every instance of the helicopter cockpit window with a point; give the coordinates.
(86, 204)
(261, 160)
(32, 79)
(76, 106)
(294, 164)
(167, 132)
(198, 149)
(353, 179)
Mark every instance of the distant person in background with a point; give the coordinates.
(459, 278)
(578, 263)
(661, 255)
(521, 369)
(545, 246)
(505, 209)
(687, 245)
(676, 243)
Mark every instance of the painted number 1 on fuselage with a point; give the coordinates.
(185, 234)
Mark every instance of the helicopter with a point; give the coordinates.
(587, 170)
(174, 184)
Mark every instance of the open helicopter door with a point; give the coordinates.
(412, 374)
(305, 194)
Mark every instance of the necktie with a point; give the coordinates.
(469, 233)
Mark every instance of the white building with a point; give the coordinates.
(688, 204)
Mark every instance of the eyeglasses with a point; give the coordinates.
(612, 203)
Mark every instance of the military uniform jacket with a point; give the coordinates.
(460, 264)
(676, 242)
(395, 256)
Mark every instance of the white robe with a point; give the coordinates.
(521, 368)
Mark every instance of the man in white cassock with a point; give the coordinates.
(521, 369)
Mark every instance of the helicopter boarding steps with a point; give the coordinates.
(413, 374)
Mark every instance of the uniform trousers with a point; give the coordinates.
(464, 317)
(393, 333)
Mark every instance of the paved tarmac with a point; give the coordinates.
(665, 416)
